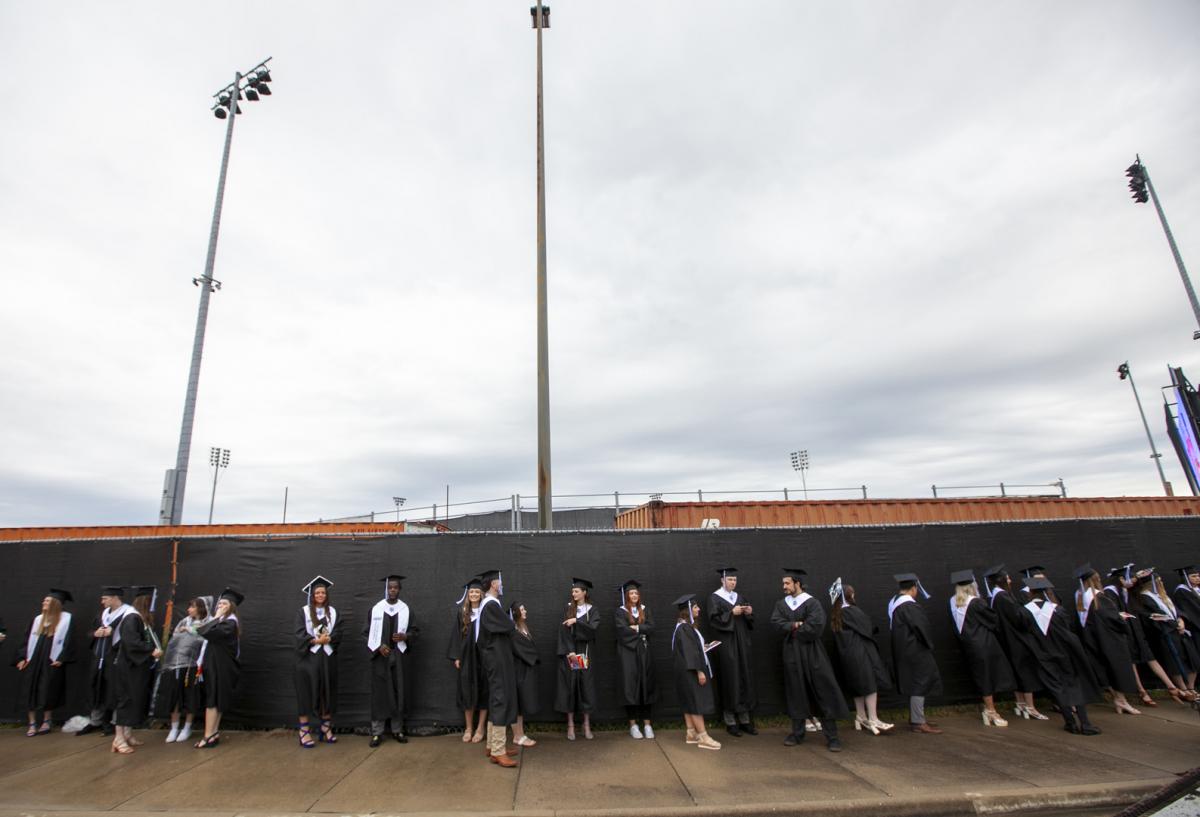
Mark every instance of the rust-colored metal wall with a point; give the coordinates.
(899, 511)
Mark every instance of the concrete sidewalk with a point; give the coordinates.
(1030, 766)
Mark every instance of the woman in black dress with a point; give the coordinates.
(576, 689)
(317, 638)
(179, 686)
(1104, 636)
(1119, 585)
(693, 673)
(472, 694)
(135, 648)
(525, 663)
(41, 658)
(219, 663)
(863, 670)
(1167, 632)
(978, 626)
(638, 687)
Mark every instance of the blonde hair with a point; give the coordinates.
(51, 616)
(963, 593)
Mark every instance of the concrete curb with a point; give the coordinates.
(1015, 801)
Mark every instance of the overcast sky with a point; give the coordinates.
(896, 235)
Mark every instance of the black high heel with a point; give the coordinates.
(327, 735)
(210, 741)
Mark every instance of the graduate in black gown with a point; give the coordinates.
(390, 636)
(1120, 583)
(730, 621)
(1167, 631)
(575, 690)
(1015, 639)
(639, 690)
(978, 627)
(1105, 637)
(220, 663)
(41, 661)
(693, 673)
(135, 651)
(916, 671)
(809, 683)
(112, 607)
(471, 690)
(525, 664)
(318, 636)
(863, 670)
(1066, 672)
(1186, 597)
(180, 690)
(493, 634)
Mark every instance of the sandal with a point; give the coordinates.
(467, 735)
(32, 731)
(525, 740)
(1147, 700)
(122, 748)
(210, 741)
(327, 732)
(45, 728)
(478, 736)
(306, 739)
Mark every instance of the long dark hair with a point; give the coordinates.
(520, 620)
(573, 608)
(643, 610)
(835, 616)
(142, 605)
(312, 610)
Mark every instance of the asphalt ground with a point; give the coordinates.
(1030, 767)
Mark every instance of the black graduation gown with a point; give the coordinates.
(809, 682)
(1063, 665)
(1187, 603)
(389, 673)
(1016, 641)
(41, 685)
(221, 667)
(638, 686)
(912, 652)
(735, 681)
(1176, 651)
(575, 690)
(526, 659)
(496, 652)
(100, 669)
(1135, 633)
(985, 658)
(1106, 638)
(687, 651)
(862, 667)
(472, 690)
(133, 671)
(316, 673)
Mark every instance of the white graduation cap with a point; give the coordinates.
(836, 592)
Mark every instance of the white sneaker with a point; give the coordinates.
(173, 735)
(184, 733)
(634, 732)
(811, 725)
(648, 731)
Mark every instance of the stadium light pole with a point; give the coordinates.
(1140, 185)
(218, 458)
(399, 500)
(800, 463)
(252, 85)
(1124, 373)
(541, 20)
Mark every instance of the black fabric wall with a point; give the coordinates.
(537, 570)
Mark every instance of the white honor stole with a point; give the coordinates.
(793, 602)
(903, 598)
(959, 613)
(60, 636)
(375, 636)
(115, 621)
(699, 638)
(479, 614)
(730, 596)
(1088, 596)
(1163, 608)
(323, 614)
(1042, 615)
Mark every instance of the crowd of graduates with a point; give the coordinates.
(1015, 632)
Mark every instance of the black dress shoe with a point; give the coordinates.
(87, 730)
(834, 745)
(376, 740)
(749, 729)
(1088, 729)
(794, 739)
(733, 730)
(399, 737)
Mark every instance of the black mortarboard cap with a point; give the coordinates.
(634, 583)
(232, 595)
(474, 581)
(795, 573)
(727, 571)
(1125, 571)
(1038, 583)
(391, 576)
(1029, 571)
(147, 590)
(996, 570)
(682, 601)
(488, 576)
(1188, 569)
(62, 595)
(1083, 571)
(582, 584)
(906, 580)
(113, 590)
(962, 577)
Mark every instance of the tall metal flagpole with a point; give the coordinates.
(545, 511)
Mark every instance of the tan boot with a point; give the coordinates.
(704, 741)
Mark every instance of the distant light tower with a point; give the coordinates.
(218, 458)
(399, 500)
(1140, 185)
(800, 463)
(541, 19)
(252, 85)
(1124, 373)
